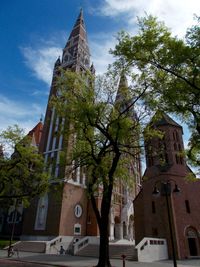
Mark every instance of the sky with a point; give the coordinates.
(33, 33)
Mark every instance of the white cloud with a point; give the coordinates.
(178, 15)
(100, 45)
(21, 113)
(41, 61)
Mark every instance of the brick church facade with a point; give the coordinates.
(134, 214)
(69, 212)
(166, 166)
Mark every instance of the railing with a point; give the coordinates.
(84, 242)
(53, 243)
(81, 244)
(152, 249)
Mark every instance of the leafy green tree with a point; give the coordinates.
(102, 133)
(170, 67)
(21, 167)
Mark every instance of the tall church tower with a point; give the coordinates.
(76, 57)
(63, 213)
(68, 213)
(122, 222)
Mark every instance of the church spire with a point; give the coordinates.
(76, 52)
(124, 99)
(123, 94)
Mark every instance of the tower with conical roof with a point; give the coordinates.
(166, 175)
(165, 154)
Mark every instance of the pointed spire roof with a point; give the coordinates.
(79, 27)
(123, 91)
(161, 119)
(92, 68)
(76, 50)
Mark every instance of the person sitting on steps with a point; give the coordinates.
(61, 251)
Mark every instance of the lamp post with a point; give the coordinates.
(166, 192)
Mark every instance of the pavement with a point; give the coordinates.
(77, 261)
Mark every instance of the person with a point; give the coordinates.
(10, 251)
(61, 251)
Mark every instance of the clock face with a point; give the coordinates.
(78, 210)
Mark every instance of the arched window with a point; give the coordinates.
(177, 159)
(177, 136)
(174, 136)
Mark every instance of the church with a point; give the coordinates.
(136, 214)
(70, 214)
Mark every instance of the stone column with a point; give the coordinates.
(118, 231)
(112, 231)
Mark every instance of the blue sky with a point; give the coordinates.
(33, 33)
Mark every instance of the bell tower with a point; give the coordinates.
(164, 153)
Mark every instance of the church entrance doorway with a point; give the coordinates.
(192, 240)
(192, 246)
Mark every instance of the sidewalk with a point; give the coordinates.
(76, 261)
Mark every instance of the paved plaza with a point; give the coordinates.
(76, 261)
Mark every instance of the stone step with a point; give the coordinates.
(31, 246)
(115, 251)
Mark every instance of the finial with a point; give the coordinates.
(41, 117)
(81, 13)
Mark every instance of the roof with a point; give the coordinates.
(161, 119)
(36, 133)
(77, 48)
(123, 90)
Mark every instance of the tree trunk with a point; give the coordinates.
(104, 260)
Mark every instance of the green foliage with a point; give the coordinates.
(22, 172)
(102, 136)
(5, 243)
(170, 69)
(98, 126)
(102, 131)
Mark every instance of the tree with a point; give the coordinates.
(170, 66)
(103, 133)
(22, 173)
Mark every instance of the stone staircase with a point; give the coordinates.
(31, 246)
(115, 250)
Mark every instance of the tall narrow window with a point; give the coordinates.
(41, 217)
(187, 206)
(155, 231)
(153, 207)
(166, 158)
(177, 137)
(177, 159)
